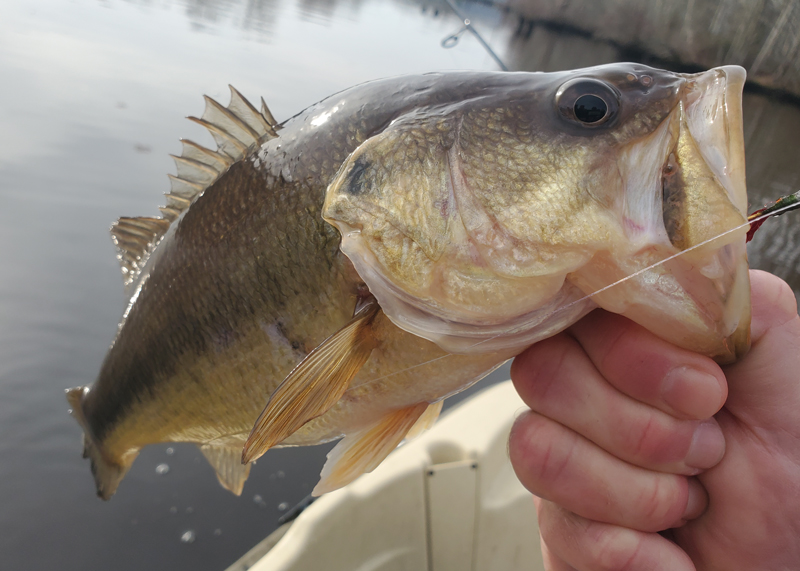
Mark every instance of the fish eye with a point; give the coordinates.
(587, 102)
(590, 109)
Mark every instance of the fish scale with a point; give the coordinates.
(341, 273)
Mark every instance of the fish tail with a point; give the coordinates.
(107, 472)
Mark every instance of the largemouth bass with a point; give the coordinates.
(389, 246)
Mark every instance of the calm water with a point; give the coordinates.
(92, 102)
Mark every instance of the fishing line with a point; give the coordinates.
(781, 206)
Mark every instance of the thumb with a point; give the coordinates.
(764, 382)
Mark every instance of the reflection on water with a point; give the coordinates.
(97, 92)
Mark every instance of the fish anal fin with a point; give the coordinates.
(134, 239)
(361, 451)
(426, 420)
(227, 463)
(107, 472)
(315, 384)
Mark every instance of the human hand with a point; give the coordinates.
(619, 445)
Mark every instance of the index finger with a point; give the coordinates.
(639, 364)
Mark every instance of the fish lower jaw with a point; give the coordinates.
(456, 333)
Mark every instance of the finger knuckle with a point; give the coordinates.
(653, 442)
(537, 371)
(615, 549)
(661, 503)
(540, 452)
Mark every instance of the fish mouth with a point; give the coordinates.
(694, 214)
(713, 113)
(713, 129)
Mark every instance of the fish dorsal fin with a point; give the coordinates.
(227, 463)
(135, 238)
(236, 129)
(316, 383)
(361, 451)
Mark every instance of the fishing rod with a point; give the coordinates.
(451, 40)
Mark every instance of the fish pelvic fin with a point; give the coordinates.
(227, 463)
(361, 451)
(237, 129)
(316, 383)
(107, 472)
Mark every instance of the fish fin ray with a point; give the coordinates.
(107, 473)
(227, 463)
(218, 161)
(426, 420)
(226, 142)
(267, 114)
(134, 239)
(196, 171)
(361, 451)
(243, 109)
(224, 118)
(169, 213)
(315, 384)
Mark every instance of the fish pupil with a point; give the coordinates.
(590, 109)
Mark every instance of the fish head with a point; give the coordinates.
(492, 221)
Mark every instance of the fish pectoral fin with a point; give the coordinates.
(227, 463)
(361, 451)
(426, 420)
(316, 383)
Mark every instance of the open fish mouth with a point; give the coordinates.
(714, 117)
(700, 224)
(684, 184)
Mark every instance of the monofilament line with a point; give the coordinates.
(781, 206)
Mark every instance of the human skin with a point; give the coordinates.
(627, 437)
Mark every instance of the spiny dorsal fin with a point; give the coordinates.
(268, 115)
(362, 451)
(236, 129)
(242, 108)
(315, 384)
(227, 463)
(226, 142)
(135, 238)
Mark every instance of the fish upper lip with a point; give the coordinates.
(713, 109)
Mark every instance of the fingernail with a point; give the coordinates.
(697, 502)
(707, 447)
(692, 392)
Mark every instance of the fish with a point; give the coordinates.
(339, 274)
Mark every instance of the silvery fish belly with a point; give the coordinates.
(339, 274)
